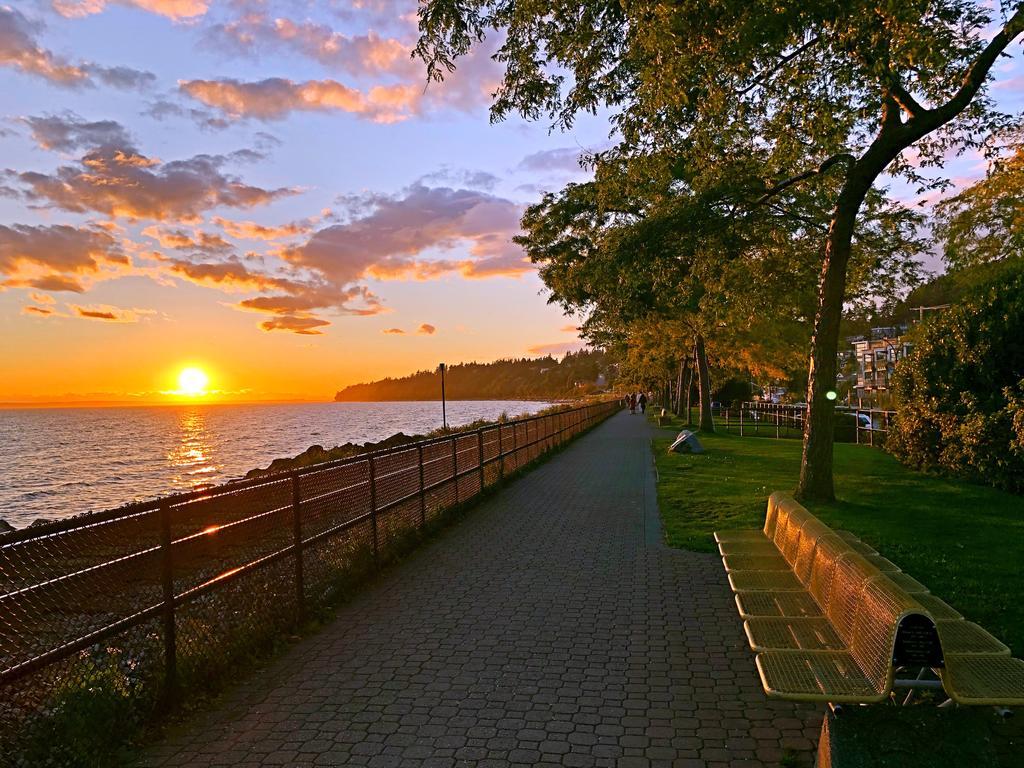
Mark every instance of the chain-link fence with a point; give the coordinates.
(120, 611)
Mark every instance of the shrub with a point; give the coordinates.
(960, 392)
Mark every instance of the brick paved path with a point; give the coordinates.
(551, 626)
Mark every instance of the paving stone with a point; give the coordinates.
(550, 627)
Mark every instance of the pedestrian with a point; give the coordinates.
(632, 403)
(643, 403)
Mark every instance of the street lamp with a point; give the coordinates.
(444, 414)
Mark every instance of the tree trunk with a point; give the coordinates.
(689, 388)
(683, 365)
(707, 421)
(816, 481)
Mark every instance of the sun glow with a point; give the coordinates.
(192, 382)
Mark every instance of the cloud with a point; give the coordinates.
(120, 182)
(302, 325)
(42, 298)
(276, 97)
(385, 234)
(571, 328)
(38, 311)
(54, 257)
(172, 9)
(180, 240)
(204, 118)
(68, 132)
(472, 179)
(110, 314)
(250, 230)
(20, 50)
(563, 159)
(556, 349)
(426, 329)
(357, 55)
(395, 331)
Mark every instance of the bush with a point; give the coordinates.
(960, 392)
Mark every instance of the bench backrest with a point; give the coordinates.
(860, 601)
(880, 610)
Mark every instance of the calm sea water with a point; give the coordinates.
(62, 461)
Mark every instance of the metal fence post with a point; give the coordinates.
(423, 493)
(741, 422)
(501, 452)
(480, 455)
(170, 631)
(515, 444)
(455, 468)
(373, 508)
(300, 588)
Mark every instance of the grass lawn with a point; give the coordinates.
(964, 542)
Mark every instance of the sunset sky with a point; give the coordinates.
(265, 191)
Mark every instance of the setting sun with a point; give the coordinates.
(192, 381)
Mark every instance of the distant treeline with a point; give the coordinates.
(579, 373)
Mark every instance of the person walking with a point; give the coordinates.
(643, 402)
(632, 403)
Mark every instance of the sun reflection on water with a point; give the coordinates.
(192, 455)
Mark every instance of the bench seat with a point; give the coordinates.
(817, 676)
(792, 634)
(764, 546)
(984, 679)
(740, 534)
(778, 604)
(964, 638)
(765, 581)
(774, 562)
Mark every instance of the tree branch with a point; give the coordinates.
(842, 157)
(764, 76)
(928, 120)
(906, 101)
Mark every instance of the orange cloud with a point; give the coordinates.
(275, 97)
(304, 326)
(395, 331)
(111, 314)
(569, 329)
(385, 239)
(34, 310)
(250, 230)
(179, 240)
(426, 329)
(368, 54)
(54, 257)
(42, 298)
(172, 9)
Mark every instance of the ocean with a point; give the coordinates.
(57, 462)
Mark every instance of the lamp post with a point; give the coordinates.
(444, 413)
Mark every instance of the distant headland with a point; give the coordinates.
(544, 378)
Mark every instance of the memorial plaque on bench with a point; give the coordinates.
(917, 643)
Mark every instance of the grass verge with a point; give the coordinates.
(964, 542)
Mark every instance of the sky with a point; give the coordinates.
(269, 191)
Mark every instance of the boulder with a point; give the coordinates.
(686, 442)
(5, 527)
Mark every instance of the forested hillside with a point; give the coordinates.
(577, 374)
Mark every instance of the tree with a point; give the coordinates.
(985, 222)
(820, 88)
(960, 392)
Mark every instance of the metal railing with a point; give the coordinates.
(865, 426)
(137, 602)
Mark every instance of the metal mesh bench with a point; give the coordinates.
(830, 619)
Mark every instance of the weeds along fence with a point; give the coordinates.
(118, 611)
(866, 426)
